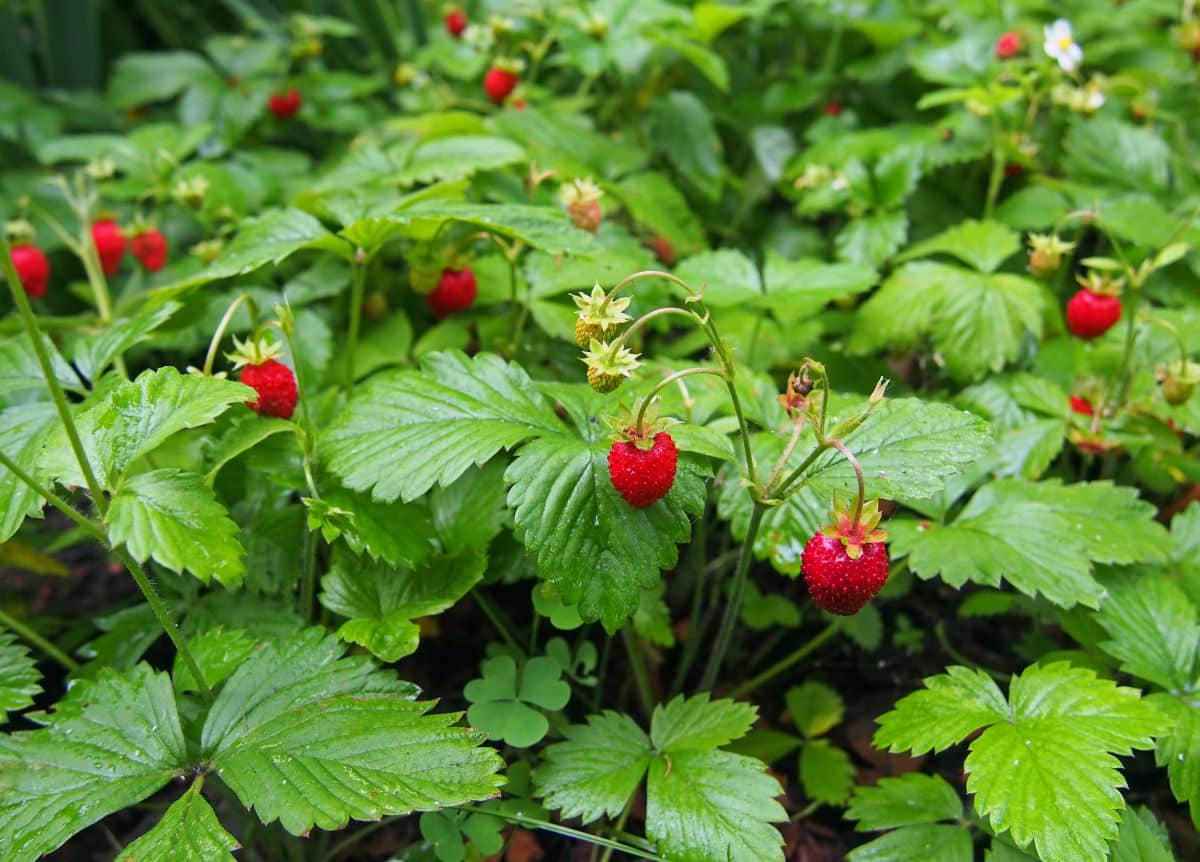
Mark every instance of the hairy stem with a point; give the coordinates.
(733, 606)
(641, 676)
(356, 304)
(788, 661)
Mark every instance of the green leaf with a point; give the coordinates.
(469, 512)
(826, 772)
(927, 842)
(1113, 153)
(1042, 537)
(982, 244)
(187, 832)
(244, 433)
(1152, 629)
(458, 157)
(976, 322)
(1045, 767)
(698, 723)
(1179, 751)
(405, 431)
(601, 551)
(174, 518)
(726, 277)
(502, 700)
(658, 206)
(23, 430)
(110, 744)
(93, 354)
(381, 601)
(138, 416)
(547, 228)
(911, 799)
(595, 771)
(19, 368)
(19, 676)
(1141, 839)
(686, 136)
(797, 289)
(372, 528)
(218, 653)
(815, 707)
(872, 239)
(311, 738)
(142, 78)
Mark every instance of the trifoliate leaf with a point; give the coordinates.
(929, 842)
(23, 430)
(826, 772)
(597, 769)
(405, 431)
(381, 601)
(815, 707)
(109, 745)
(308, 737)
(1041, 537)
(174, 518)
(1152, 629)
(911, 799)
(696, 722)
(19, 677)
(1045, 766)
(503, 699)
(218, 653)
(138, 416)
(187, 832)
(587, 540)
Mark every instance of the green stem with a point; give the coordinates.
(785, 486)
(787, 661)
(664, 383)
(1130, 338)
(566, 831)
(733, 606)
(620, 824)
(493, 614)
(95, 275)
(43, 358)
(33, 638)
(356, 303)
(215, 342)
(623, 338)
(858, 475)
(308, 576)
(641, 676)
(53, 499)
(999, 159)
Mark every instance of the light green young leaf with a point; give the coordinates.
(543, 227)
(23, 430)
(94, 353)
(19, 676)
(1141, 839)
(873, 238)
(588, 540)
(1045, 767)
(815, 707)
(797, 289)
(20, 371)
(1152, 629)
(1041, 537)
(110, 744)
(218, 653)
(911, 799)
(405, 431)
(187, 832)
(826, 772)
(457, 157)
(595, 771)
(725, 277)
(929, 842)
(697, 722)
(504, 697)
(1179, 751)
(981, 244)
(311, 738)
(138, 416)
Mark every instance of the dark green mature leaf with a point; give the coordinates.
(1111, 152)
(1042, 537)
(110, 744)
(23, 430)
(406, 431)
(138, 416)
(187, 832)
(685, 133)
(469, 512)
(141, 78)
(928, 842)
(19, 369)
(595, 771)
(826, 772)
(1045, 767)
(588, 540)
(19, 677)
(905, 801)
(218, 653)
(1141, 839)
(244, 433)
(309, 737)
(172, 517)
(94, 353)
(1152, 629)
(401, 534)
(381, 601)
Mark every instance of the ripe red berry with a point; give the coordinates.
(285, 104)
(1082, 406)
(498, 83)
(836, 582)
(32, 268)
(1008, 45)
(110, 245)
(455, 291)
(1092, 314)
(662, 248)
(150, 248)
(833, 109)
(276, 387)
(643, 476)
(456, 22)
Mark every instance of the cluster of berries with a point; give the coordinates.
(1096, 307)
(149, 247)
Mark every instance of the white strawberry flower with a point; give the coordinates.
(1061, 46)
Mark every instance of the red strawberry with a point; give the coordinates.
(455, 291)
(276, 387)
(32, 268)
(833, 109)
(499, 82)
(456, 22)
(836, 582)
(1092, 314)
(110, 244)
(643, 476)
(663, 249)
(150, 248)
(1008, 45)
(1082, 406)
(285, 104)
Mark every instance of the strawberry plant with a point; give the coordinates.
(670, 430)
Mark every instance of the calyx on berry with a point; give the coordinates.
(598, 315)
(254, 351)
(1179, 380)
(609, 364)
(855, 534)
(582, 200)
(1046, 252)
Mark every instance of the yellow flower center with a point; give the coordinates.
(1065, 43)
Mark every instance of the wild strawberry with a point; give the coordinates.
(1090, 314)
(110, 245)
(32, 267)
(845, 565)
(609, 364)
(833, 109)
(582, 200)
(455, 291)
(276, 387)
(642, 470)
(285, 104)
(1046, 252)
(598, 315)
(456, 22)
(663, 249)
(150, 248)
(1082, 406)
(1008, 45)
(1179, 380)
(499, 82)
